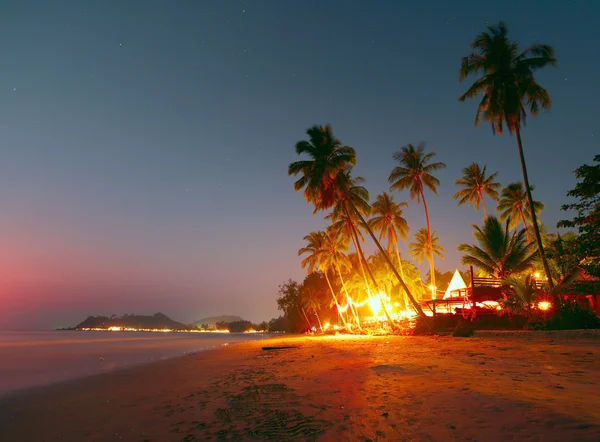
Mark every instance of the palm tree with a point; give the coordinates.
(424, 247)
(414, 172)
(319, 257)
(390, 223)
(310, 299)
(323, 180)
(474, 185)
(523, 296)
(513, 205)
(509, 90)
(500, 253)
(328, 158)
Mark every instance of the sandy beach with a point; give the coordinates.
(491, 387)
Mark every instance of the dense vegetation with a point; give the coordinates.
(343, 284)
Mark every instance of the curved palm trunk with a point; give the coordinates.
(536, 228)
(319, 321)
(306, 317)
(361, 256)
(387, 314)
(340, 314)
(390, 248)
(387, 258)
(349, 302)
(431, 263)
(406, 300)
(525, 225)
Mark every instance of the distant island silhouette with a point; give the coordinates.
(158, 321)
(213, 320)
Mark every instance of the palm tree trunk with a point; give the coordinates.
(319, 321)
(431, 263)
(387, 258)
(483, 205)
(387, 314)
(536, 228)
(406, 300)
(337, 305)
(348, 300)
(306, 317)
(390, 248)
(525, 225)
(361, 256)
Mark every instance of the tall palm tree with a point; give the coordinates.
(474, 185)
(319, 257)
(500, 253)
(513, 205)
(323, 180)
(424, 247)
(414, 172)
(509, 91)
(390, 223)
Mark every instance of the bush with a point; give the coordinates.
(464, 329)
(571, 316)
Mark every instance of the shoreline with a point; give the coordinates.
(488, 387)
(115, 354)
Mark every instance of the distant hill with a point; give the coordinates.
(156, 321)
(214, 319)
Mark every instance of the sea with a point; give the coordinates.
(35, 358)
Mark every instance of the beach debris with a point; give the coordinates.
(282, 347)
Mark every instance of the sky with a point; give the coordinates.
(144, 145)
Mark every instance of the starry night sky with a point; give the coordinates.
(144, 144)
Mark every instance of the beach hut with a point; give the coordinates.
(583, 288)
(456, 284)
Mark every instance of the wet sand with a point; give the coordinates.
(491, 387)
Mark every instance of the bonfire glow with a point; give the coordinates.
(375, 304)
(544, 305)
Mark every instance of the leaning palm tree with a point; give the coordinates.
(523, 296)
(390, 223)
(513, 205)
(424, 247)
(318, 257)
(414, 172)
(475, 185)
(500, 253)
(334, 257)
(323, 180)
(509, 90)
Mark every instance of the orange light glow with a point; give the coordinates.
(544, 305)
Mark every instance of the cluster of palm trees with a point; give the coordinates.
(508, 92)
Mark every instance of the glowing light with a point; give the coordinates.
(375, 304)
(153, 330)
(544, 305)
(536, 275)
(326, 326)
